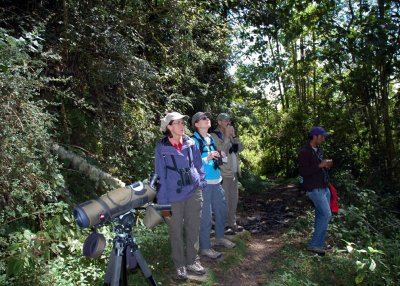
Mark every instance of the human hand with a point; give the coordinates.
(229, 131)
(166, 214)
(224, 157)
(326, 163)
(213, 155)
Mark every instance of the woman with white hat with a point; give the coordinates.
(179, 166)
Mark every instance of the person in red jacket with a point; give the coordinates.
(314, 170)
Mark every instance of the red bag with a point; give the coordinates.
(334, 199)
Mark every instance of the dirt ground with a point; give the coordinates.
(266, 217)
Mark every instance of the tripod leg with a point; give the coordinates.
(113, 273)
(144, 267)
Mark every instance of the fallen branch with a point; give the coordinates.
(89, 170)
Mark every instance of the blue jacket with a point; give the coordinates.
(211, 172)
(170, 190)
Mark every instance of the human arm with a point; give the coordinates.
(159, 162)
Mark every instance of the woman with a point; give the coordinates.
(178, 164)
(213, 193)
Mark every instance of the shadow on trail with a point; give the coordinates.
(266, 216)
(271, 210)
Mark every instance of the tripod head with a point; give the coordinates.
(95, 243)
(125, 255)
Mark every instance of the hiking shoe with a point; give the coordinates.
(229, 231)
(181, 273)
(210, 253)
(319, 250)
(196, 268)
(238, 228)
(224, 242)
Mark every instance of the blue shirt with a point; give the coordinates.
(213, 175)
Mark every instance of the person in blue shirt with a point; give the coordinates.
(213, 193)
(182, 178)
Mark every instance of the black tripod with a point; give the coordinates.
(125, 255)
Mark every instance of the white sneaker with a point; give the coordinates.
(181, 273)
(196, 268)
(224, 242)
(210, 253)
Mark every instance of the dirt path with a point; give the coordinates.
(266, 216)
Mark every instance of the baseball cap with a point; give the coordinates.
(318, 130)
(199, 115)
(170, 117)
(223, 116)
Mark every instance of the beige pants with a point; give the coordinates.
(230, 185)
(184, 227)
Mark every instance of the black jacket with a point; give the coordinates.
(313, 176)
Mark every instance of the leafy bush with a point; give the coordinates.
(29, 173)
(52, 255)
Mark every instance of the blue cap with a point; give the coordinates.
(317, 130)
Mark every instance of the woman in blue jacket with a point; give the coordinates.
(213, 193)
(179, 166)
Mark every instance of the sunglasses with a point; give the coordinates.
(203, 118)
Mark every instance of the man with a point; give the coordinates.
(314, 170)
(227, 141)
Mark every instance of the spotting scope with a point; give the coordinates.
(112, 204)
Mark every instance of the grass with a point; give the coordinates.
(295, 266)
(155, 248)
(292, 264)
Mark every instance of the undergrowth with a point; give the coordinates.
(365, 244)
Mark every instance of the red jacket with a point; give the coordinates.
(334, 199)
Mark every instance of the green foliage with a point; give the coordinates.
(254, 184)
(328, 63)
(97, 76)
(29, 173)
(366, 262)
(350, 266)
(51, 255)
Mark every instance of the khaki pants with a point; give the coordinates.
(230, 185)
(184, 226)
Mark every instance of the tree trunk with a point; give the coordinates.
(275, 60)
(296, 76)
(92, 172)
(384, 93)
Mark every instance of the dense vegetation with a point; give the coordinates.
(96, 77)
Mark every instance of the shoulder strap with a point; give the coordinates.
(190, 157)
(175, 168)
(213, 143)
(218, 133)
(201, 143)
